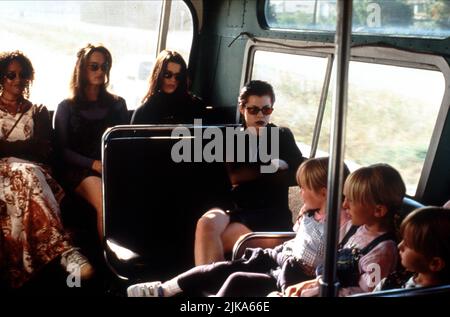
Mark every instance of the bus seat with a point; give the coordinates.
(152, 204)
(219, 115)
(295, 201)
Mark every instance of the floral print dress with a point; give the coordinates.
(31, 233)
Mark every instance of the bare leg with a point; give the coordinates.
(208, 243)
(231, 234)
(91, 190)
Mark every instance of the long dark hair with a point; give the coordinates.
(6, 58)
(155, 82)
(79, 81)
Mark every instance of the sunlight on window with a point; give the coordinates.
(422, 18)
(179, 37)
(297, 81)
(51, 32)
(391, 115)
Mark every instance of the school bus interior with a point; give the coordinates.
(398, 102)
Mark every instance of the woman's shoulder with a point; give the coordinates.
(66, 103)
(118, 102)
(285, 134)
(282, 129)
(156, 98)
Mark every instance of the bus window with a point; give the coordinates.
(392, 112)
(51, 32)
(179, 37)
(298, 82)
(424, 18)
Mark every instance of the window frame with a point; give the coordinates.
(325, 85)
(368, 54)
(262, 20)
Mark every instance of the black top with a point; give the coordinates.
(271, 189)
(79, 128)
(162, 108)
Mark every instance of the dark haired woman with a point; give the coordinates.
(31, 233)
(168, 99)
(260, 199)
(81, 120)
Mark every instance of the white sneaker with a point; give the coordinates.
(72, 260)
(149, 289)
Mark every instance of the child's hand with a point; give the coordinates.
(279, 164)
(297, 289)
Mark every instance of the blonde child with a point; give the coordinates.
(261, 270)
(424, 250)
(373, 194)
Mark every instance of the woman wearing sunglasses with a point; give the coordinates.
(31, 234)
(168, 99)
(260, 199)
(81, 120)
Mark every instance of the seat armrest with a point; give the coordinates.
(260, 239)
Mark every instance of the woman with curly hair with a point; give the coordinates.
(31, 233)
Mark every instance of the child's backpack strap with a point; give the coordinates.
(384, 237)
(347, 236)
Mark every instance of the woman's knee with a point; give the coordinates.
(212, 222)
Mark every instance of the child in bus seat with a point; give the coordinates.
(368, 252)
(259, 200)
(262, 270)
(424, 250)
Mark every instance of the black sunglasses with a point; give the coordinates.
(95, 67)
(168, 75)
(13, 75)
(266, 110)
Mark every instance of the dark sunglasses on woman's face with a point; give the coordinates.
(266, 110)
(95, 67)
(13, 75)
(168, 75)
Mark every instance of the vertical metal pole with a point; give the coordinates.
(329, 285)
(322, 106)
(163, 25)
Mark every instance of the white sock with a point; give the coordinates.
(171, 287)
